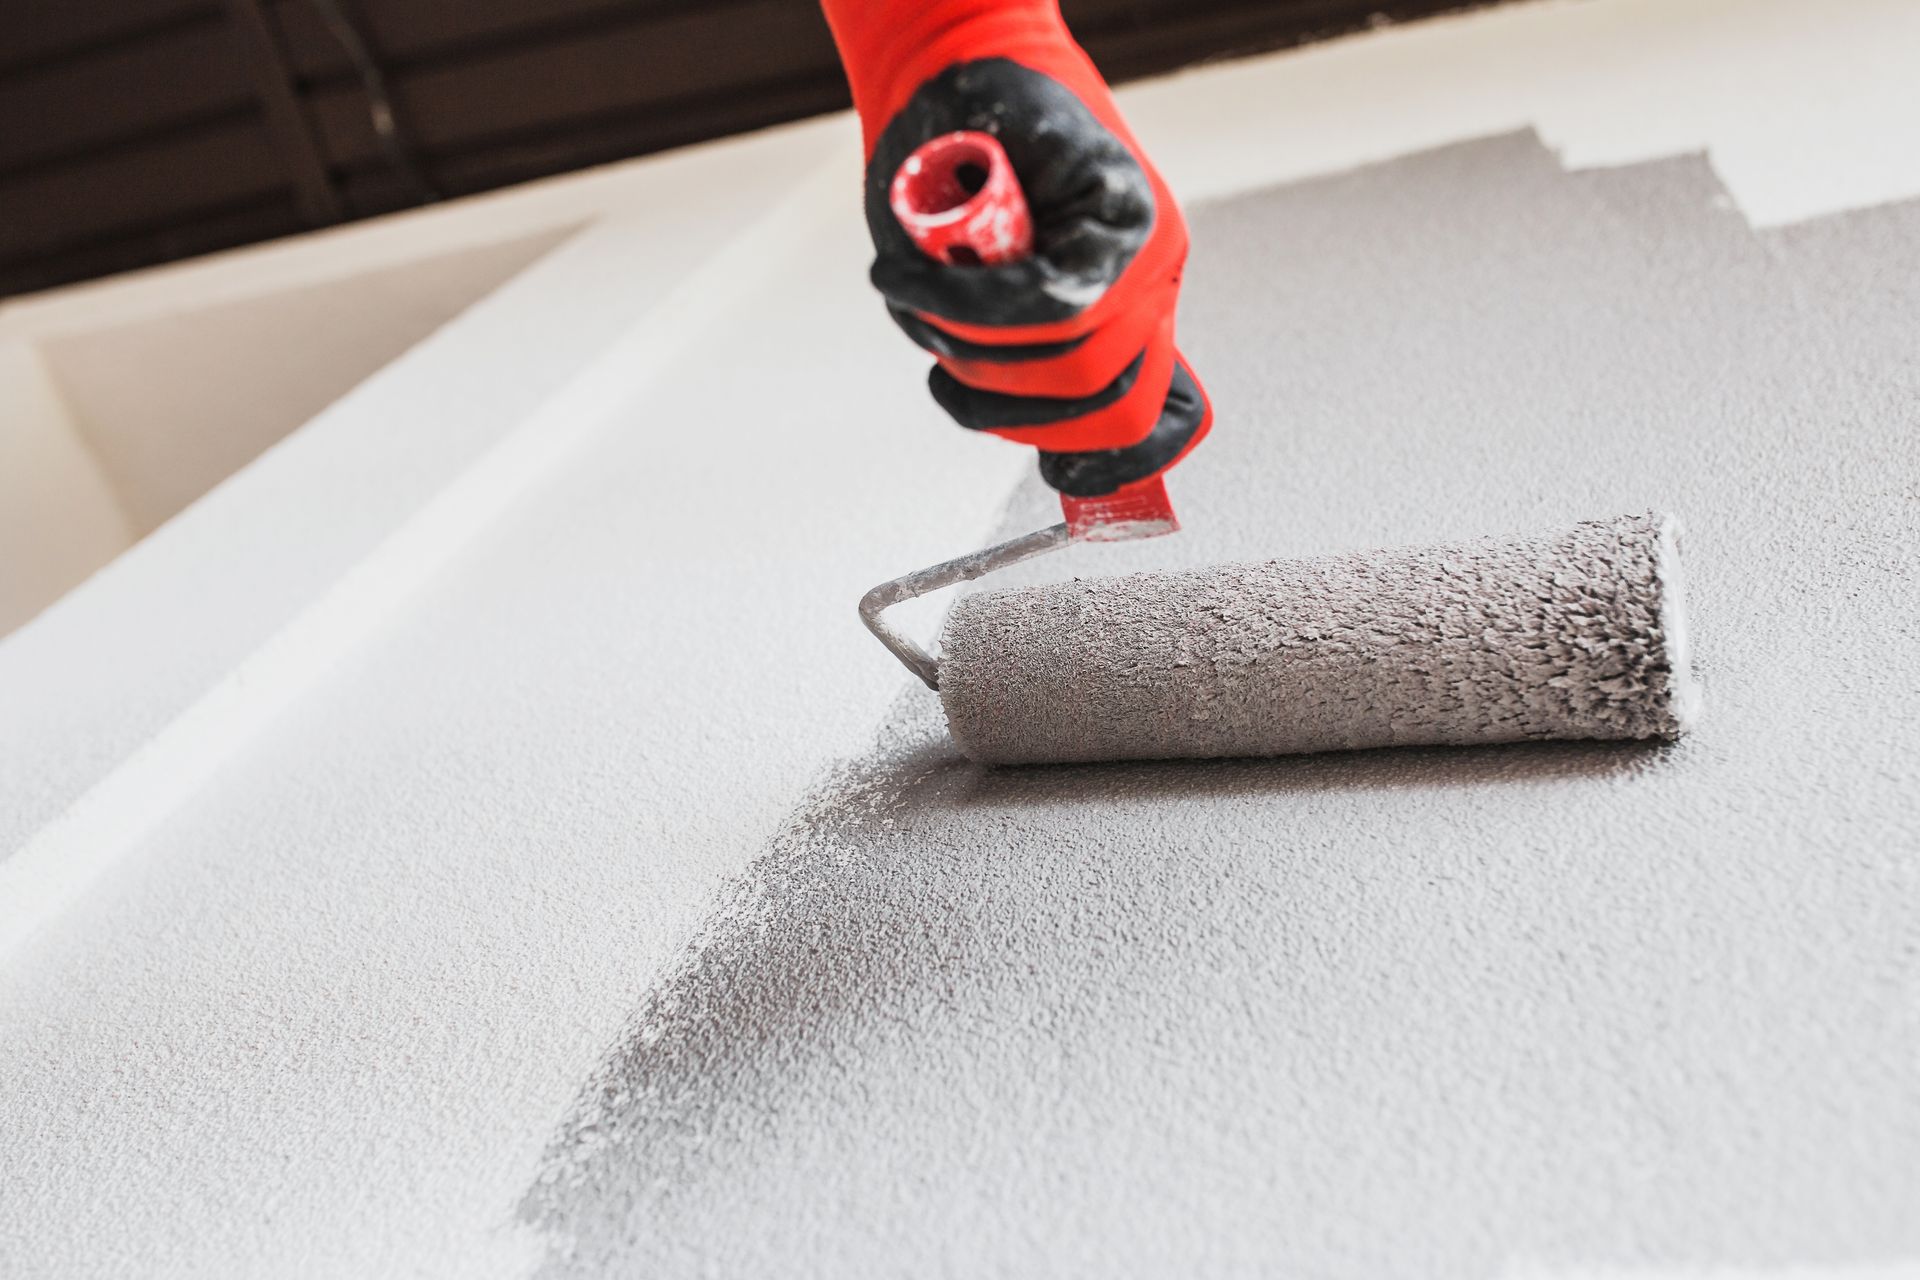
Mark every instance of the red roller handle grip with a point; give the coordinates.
(957, 196)
(959, 200)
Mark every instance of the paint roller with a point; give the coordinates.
(1575, 633)
(1571, 634)
(958, 200)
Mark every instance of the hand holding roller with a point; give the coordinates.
(1023, 238)
(957, 197)
(959, 200)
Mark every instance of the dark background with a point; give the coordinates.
(137, 131)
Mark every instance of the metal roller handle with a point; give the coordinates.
(946, 574)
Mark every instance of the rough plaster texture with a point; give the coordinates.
(1541, 1009)
(1577, 633)
(1559, 1011)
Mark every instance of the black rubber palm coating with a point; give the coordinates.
(1091, 202)
(930, 337)
(979, 410)
(1098, 472)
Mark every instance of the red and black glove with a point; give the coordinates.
(1069, 349)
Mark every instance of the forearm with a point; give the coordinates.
(1070, 346)
(891, 47)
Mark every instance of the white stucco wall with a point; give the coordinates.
(133, 689)
(362, 817)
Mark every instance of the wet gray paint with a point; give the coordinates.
(1430, 1012)
(1574, 633)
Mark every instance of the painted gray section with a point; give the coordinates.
(1430, 1012)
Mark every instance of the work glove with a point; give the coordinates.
(1071, 348)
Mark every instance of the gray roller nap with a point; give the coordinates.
(1571, 634)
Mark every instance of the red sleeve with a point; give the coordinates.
(891, 47)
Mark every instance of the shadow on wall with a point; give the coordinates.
(912, 888)
(962, 785)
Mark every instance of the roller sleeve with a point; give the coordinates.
(1571, 634)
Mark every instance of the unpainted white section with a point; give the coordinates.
(94, 681)
(1803, 108)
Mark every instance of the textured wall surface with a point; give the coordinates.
(1559, 1007)
(513, 918)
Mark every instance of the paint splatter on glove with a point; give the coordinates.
(1070, 349)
